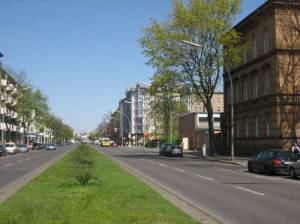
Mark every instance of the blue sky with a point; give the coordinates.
(83, 54)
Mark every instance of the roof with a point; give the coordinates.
(261, 9)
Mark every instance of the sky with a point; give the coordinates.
(82, 54)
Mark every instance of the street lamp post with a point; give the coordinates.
(231, 92)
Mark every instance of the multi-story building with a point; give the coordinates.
(10, 129)
(194, 104)
(136, 107)
(266, 84)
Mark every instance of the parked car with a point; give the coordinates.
(170, 150)
(37, 146)
(294, 169)
(271, 161)
(3, 151)
(51, 147)
(11, 148)
(23, 148)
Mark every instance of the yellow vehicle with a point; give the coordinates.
(105, 142)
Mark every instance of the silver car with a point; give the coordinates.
(23, 148)
(294, 169)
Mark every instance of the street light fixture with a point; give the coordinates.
(231, 90)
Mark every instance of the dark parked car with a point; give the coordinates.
(271, 161)
(170, 150)
(37, 146)
(2, 150)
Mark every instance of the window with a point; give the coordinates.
(266, 41)
(256, 127)
(245, 89)
(255, 86)
(237, 129)
(246, 128)
(267, 83)
(237, 91)
(254, 47)
(245, 59)
(268, 126)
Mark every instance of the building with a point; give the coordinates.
(196, 105)
(193, 129)
(266, 84)
(136, 108)
(10, 129)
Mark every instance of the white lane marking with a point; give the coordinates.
(248, 190)
(9, 164)
(150, 161)
(179, 170)
(28, 159)
(226, 170)
(205, 178)
(163, 165)
(19, 161)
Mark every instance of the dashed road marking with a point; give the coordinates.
(163, 165)
(226, 170)
(8, 165)
(248, 190)
(205, 178)
(179, 170)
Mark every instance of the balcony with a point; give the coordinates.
(3, 82)
(10, 87)
(9, 100)
(3, 97)
(3, 111)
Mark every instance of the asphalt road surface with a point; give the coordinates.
(224, 191)
(14, 167)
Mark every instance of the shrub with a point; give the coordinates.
(82, 168)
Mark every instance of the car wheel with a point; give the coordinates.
(250, 168)
(293, 174)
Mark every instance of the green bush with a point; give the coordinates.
(82, 169)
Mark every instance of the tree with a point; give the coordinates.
(61, 131)
(32, 107)
(208, 23)
(166, 105)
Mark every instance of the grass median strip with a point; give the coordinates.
(110, 196)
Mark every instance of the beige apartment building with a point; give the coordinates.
(266, 84)
(194, 104)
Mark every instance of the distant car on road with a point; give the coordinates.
(11, 148)
(170, 150)
(51, 147)
(23, 148)
(3, 151)
(105, 142)
(271, 161)
(37, 146)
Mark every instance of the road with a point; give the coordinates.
(17, 167)
(224, 191)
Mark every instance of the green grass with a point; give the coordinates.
(113, 197)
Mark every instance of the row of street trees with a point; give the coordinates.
(33, 110)
(207, 23)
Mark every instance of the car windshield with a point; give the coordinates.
(284, 155)
(23, 146)
(9, 145)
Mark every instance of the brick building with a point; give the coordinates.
(266, 84)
